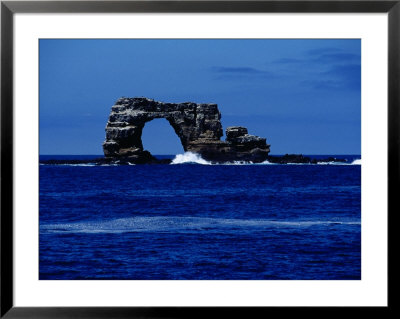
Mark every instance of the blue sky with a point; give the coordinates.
(304, 96)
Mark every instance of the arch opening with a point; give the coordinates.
(159, 138)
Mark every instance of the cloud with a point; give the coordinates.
(324, 69)
(224, 72)
(224, 69)
(343, 77)
(338, 58)
(326, 50)
(291, 61)
(322, 57)
(349, 71)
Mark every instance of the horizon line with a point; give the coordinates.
(185, 152)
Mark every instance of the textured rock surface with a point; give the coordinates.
(197, 125)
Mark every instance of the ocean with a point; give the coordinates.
(191, 220)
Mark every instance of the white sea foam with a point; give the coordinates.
(266, 162)
(188, 158)
(176, 224)
(194, 158)
(236, 163)
(356, 162)
(89, 164)
(82, 164)
(331, 163)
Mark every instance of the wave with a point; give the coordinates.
(331, 163)
(85, 164)
(354, 162)
(235, 163)
(194, 158)
(93, 164)
(266, 162)
(190, 158)
(173, 224)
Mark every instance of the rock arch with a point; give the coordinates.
(198, 127)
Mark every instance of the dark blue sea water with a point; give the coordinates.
(192, 221)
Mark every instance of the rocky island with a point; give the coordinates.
(198, 127)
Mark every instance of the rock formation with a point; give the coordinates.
(197, 125)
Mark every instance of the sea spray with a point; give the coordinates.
(356, 162)
(266, 162)
(186, 224)
(188, 158)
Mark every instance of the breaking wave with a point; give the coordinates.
(331, 163)
(173, 224)
(194, 158)
(354, 162)
(266, 162)
(189, 158)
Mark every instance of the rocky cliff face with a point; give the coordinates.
(197, 125)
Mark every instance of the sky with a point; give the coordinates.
(302, 95)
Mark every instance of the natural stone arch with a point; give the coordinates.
(198, 127)
(190, 122)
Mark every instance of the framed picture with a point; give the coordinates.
(184, 158)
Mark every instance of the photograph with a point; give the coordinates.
(199, 159)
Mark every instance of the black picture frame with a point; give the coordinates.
(9, 8)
